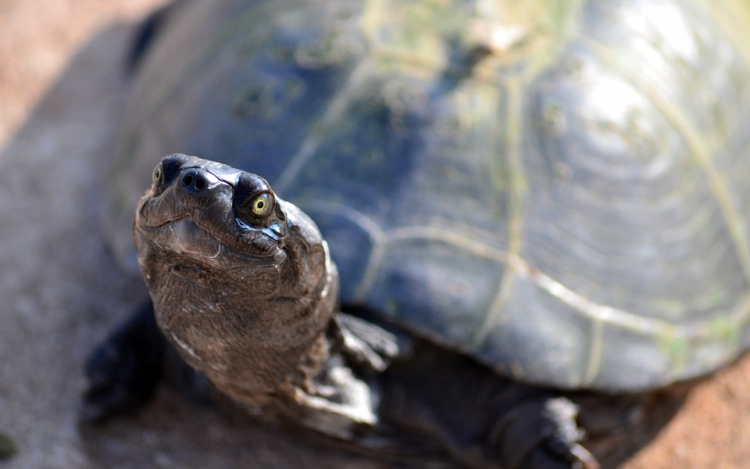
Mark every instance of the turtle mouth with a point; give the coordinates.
(189, 238)
(182, 235)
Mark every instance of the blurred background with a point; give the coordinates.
(61, 85)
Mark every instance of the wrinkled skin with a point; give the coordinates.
(235, 294)
(244, 290)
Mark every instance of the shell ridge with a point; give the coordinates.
(335, 110)
(608, 314)
(516, 182)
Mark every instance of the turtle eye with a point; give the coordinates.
(261, 204)
(253, 198)
(156, 176)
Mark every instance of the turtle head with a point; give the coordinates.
(197, 208)
(236, 274)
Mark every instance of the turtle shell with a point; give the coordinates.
(557, 188)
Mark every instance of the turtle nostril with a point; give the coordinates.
(194, 181)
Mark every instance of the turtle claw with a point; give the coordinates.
(586, 459)
(542, 434)
(556, 454)
(121, 373)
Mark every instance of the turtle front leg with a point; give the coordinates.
(122, 372)
(481, 419)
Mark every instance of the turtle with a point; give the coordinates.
(536, 211)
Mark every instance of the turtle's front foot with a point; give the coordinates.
(481, 419)
(122, 372)
(542, 434)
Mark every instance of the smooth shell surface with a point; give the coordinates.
(557, 188)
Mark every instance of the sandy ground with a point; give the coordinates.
(60, 88)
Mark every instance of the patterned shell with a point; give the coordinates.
(558, 188)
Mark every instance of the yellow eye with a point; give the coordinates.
(156, 176)
(262, 204)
